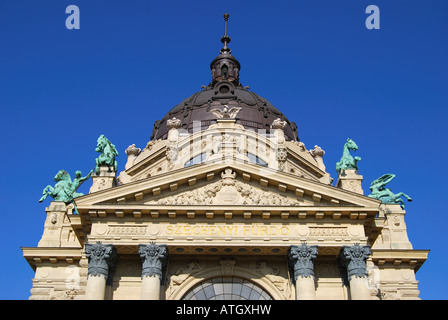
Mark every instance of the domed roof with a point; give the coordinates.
(224, 91)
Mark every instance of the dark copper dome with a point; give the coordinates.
(224, 90)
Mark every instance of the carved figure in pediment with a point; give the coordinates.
(229, 190)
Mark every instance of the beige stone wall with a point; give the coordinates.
(226, 217)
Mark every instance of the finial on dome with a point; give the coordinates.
(225, 39)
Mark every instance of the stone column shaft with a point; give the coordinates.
(301, 261)
(154, 258)
(150, 288)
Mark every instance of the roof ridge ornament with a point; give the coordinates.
(225, 39)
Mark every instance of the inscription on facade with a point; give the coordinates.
(238, 230)
(120, 230)
(226, 230)
(328, 231)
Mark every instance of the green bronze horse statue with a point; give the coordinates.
(379, 192)
(107, 156)
(64, 189)
(347, 161)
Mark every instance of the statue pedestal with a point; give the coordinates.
(394, 234)
(104, 180)
(350, 180)
(53, 224)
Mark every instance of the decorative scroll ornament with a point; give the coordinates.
(354, 259)
(101, 258)
(301, 260)
(154, 259)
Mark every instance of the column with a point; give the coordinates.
(154, 258)
(354, 258)
(101, 258)
(301, 263)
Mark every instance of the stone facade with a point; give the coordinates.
(224, 217)
(219, 203)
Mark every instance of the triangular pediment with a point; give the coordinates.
(224, 185)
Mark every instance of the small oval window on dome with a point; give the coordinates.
(224, 89)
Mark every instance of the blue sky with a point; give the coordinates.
(132, 61)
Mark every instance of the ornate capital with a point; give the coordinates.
(101, 258)
(154, 258)
(354, 259)
(301, 260)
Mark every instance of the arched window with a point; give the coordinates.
(227, 288)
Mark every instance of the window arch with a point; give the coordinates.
(227, 288)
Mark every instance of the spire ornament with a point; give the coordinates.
(225, 39)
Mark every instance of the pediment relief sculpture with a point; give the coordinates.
(231, 191)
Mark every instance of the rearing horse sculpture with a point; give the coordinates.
(107, 156)
(64, 189)
(385, 194)
(347, 161)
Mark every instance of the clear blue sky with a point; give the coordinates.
(132, 61)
